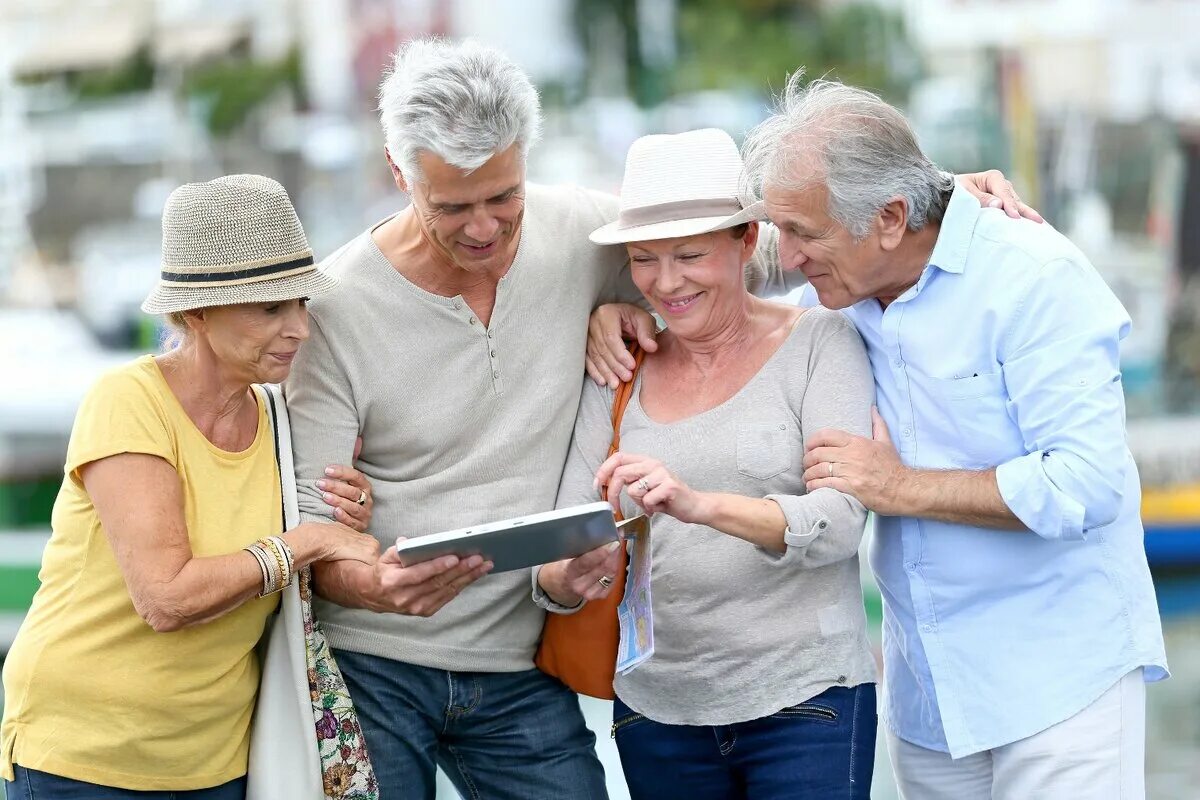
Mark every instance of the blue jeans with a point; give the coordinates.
(823, 748)
(31, 784)
(497, 735)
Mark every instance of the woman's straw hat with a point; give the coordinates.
(233, 240)
(679, 185)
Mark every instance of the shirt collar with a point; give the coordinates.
(958, 226)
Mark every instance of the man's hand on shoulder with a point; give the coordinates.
(608, 360)
(993, 190)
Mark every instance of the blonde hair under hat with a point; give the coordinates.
(679, 185)
(235, 239)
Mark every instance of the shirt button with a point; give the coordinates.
(908, 431)
(897, 363)
(496, 374)
(927, 628)
(911, 566)
(493, 354)
(472, 320)
(489, 334)
(457, 306)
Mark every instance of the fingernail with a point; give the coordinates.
(321, 484)
(474, 561)
(329, 470)
(327, 497)
(995, 202)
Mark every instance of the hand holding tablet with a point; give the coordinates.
(521, 542)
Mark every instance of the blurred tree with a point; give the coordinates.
(134, 74)
(231, 89)
(753, 45)
(605, 25)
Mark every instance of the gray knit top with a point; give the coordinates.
(740, 632)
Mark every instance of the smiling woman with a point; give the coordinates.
(169, 521)
(759, 629)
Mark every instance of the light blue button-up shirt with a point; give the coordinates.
(1005, 354)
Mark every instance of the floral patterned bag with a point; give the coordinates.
(345, 766)
(305, 740)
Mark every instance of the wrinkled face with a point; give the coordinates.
(694, 282)
(256, 342)
(473, 220)
(840, 269)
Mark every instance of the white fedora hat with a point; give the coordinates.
(679, 185)
(233, 240)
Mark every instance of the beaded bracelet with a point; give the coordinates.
(289, 556)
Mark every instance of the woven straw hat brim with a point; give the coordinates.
(169, 299)
(613, 233)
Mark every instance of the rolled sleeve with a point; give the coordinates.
(1041, 506)
(823, 527)
(1062, 372)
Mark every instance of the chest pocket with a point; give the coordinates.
(764, 449)
(975, 410)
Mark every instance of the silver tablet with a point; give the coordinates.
(521, 542)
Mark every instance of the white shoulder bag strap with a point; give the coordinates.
(284, 759)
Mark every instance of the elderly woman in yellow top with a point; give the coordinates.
(135, 670)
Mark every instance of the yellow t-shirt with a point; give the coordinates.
(92, 692)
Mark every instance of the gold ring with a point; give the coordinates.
(362, 497)
(605, 581)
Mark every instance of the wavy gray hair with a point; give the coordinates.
(861, 148)
(463, 102)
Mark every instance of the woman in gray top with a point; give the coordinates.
(761, 681)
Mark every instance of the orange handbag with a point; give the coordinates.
(580, 649)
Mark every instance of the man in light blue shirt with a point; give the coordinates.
(1019, 614)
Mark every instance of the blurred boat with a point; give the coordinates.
(1167, 452)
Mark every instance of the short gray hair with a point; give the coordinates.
(463, 102)
(862, 148)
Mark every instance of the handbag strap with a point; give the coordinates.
(620, 401)
(273, 413)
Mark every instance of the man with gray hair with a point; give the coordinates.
(454, 347)
(1019, 614)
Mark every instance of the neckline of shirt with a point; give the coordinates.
(635, 401)
(171, 399)
(454, 302)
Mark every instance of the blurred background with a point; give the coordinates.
(1092, 107)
